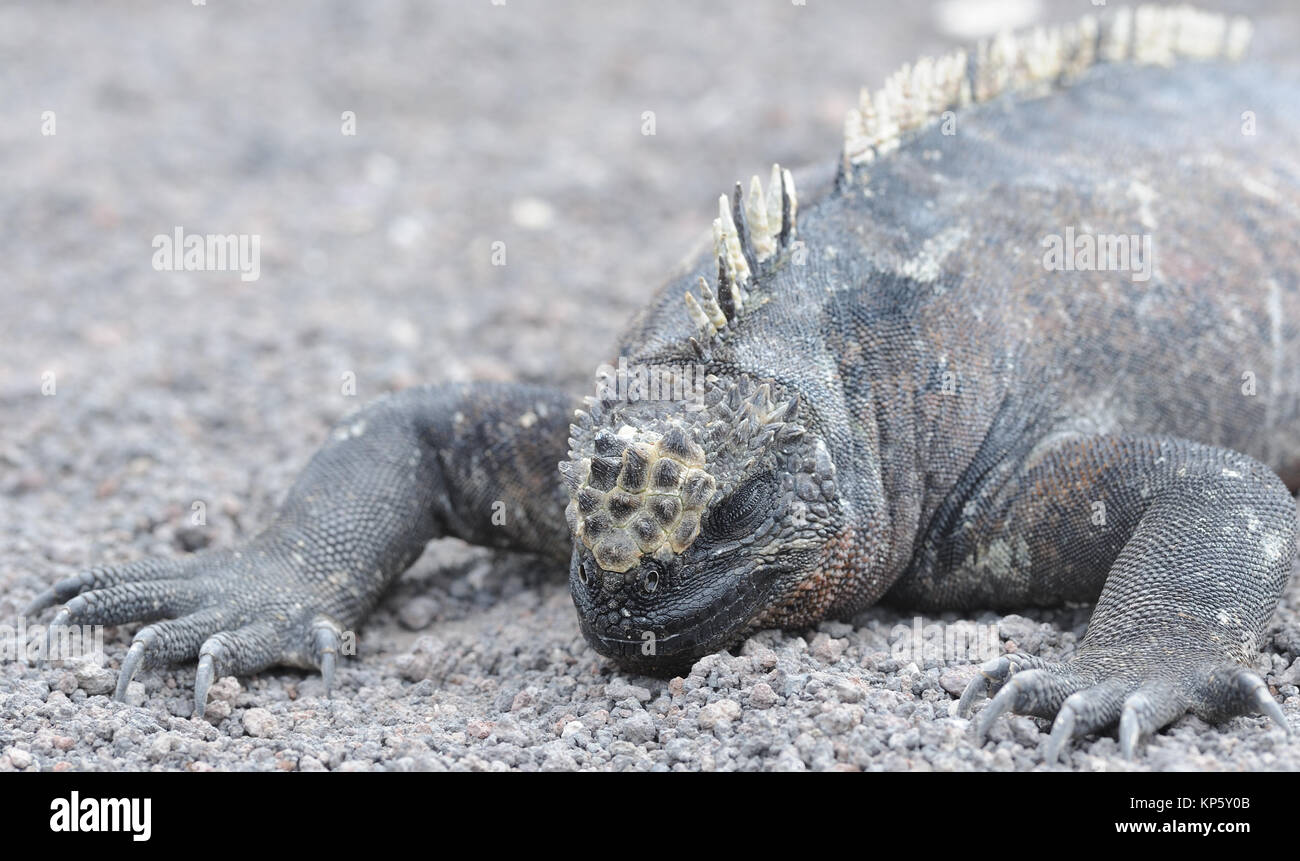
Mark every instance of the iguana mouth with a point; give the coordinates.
(647, 636)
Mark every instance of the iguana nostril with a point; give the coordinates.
(582, 573)
(651, 582)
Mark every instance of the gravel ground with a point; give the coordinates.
(474, 123)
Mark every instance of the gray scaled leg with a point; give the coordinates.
(420, 464)
(1189, 547)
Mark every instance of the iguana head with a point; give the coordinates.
(694, 520)
(701, 510)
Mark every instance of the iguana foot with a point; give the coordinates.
(236, 611)
(1097, 688)
(416, 465)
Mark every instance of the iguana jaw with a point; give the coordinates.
(669, 639)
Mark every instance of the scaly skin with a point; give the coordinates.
(942, 420)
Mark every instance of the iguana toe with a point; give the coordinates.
(131, 602)
(1033, 691)
(101, 577)
(1149, 708)
(166, 642)
(235, 653)
(992, 676)
(1084, 712)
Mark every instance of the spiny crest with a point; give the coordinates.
(749, 236)
(641, 491)
(1031, 64)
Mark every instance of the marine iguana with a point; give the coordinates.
(887, 392)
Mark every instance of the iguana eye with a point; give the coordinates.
(742, 510)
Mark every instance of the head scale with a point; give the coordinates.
(641, 490)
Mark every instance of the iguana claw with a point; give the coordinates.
(1080, 699)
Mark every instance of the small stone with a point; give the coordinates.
(761, 696)
(764, 658)
(621, 689)
(192, 538)
(418, 613)
(226, 689)
(638, 729)
(94, 679)
(20, 758)
(260, 723)
(849, 690)
(416, 665)
(160, 746)
(954, 681)
(1291, 675)
(1015, 627)
(719, 713)
(135, 694)
(680, 750)
(827, 648)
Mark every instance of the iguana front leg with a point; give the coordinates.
(1190, 547)
(477, 462)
